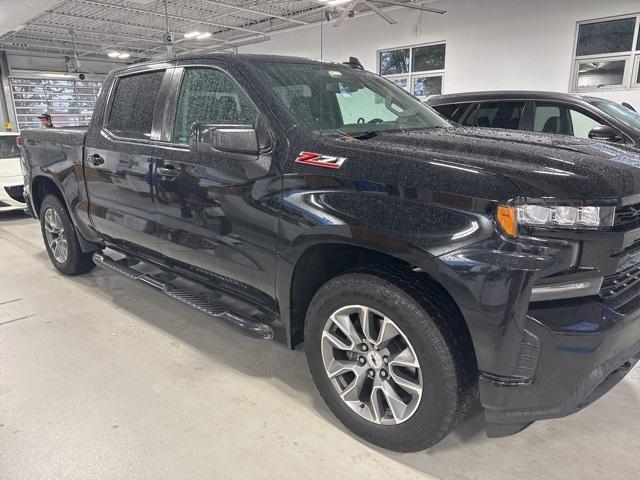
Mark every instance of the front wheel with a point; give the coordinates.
(61, 240)
(387, 361)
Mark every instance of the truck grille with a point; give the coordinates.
(627, 214)
(623, 282)
(16, 192)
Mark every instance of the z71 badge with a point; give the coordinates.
(319, 160)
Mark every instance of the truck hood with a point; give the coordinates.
(541, 165)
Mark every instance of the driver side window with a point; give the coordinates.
(211, 97)
(363, 106)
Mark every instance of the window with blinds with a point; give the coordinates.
(70, 102)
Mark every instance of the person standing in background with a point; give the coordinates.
(45, 120)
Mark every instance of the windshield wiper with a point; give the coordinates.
(365, 135)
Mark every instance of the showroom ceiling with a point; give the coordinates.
(138, 29)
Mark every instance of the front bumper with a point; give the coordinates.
(572, 353)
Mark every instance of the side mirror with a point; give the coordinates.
(605, 133)
(238, 139)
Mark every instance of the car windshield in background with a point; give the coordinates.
(8, 147)
(341, 101)
(619, 112)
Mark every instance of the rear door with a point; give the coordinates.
(217, 211)
(119, 160)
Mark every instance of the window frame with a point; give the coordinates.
(411, 75)
(635, 75)
(630, 57)
(157, 110)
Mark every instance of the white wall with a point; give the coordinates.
(491, 44)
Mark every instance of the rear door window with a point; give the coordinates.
(499, 115)
(133, 104)
(452, 111)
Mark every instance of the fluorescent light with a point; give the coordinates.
(114, 54)
(57, 75)
(203, 35)
(195, 33)
(333, 3)
(124, 55)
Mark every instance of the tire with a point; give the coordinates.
(61, 240)
(434, 331)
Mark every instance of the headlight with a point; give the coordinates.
(510, 217)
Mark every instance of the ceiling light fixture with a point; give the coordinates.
(195, 33)
(114, 54)
(124, 55)
(203, 36)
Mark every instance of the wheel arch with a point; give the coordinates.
(41, 186)
(311, 270)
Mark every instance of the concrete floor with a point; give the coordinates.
(102, 378)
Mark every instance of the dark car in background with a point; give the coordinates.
(547, 112)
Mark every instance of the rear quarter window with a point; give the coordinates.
(133, 104)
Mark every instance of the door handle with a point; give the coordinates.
(95, 159)
(168, 171)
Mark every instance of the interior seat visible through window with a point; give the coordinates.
(499, 115)
(211, 97)
(562, 119)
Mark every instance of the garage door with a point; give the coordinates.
(70, 102)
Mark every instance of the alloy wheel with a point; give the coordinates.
(54, 231)
(372, 365)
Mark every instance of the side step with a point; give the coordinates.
(252, 328)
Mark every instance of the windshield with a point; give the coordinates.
(8, 147)
(619, 112)
(341, 101)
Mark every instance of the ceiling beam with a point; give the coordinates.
(48, 38)
(171, 16)
(111, 22)
(93, 32)
(257, 12)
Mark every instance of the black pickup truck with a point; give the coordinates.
(421, 263)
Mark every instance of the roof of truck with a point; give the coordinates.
(234, 57)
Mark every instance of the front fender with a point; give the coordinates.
(383, 219)
(451, 238)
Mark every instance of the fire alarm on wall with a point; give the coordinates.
(351, 14)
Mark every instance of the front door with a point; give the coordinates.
(217, 212)
(119, 161)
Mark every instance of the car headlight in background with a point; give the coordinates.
(510, 217)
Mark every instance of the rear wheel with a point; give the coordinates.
(386, 360)
(61, 240)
